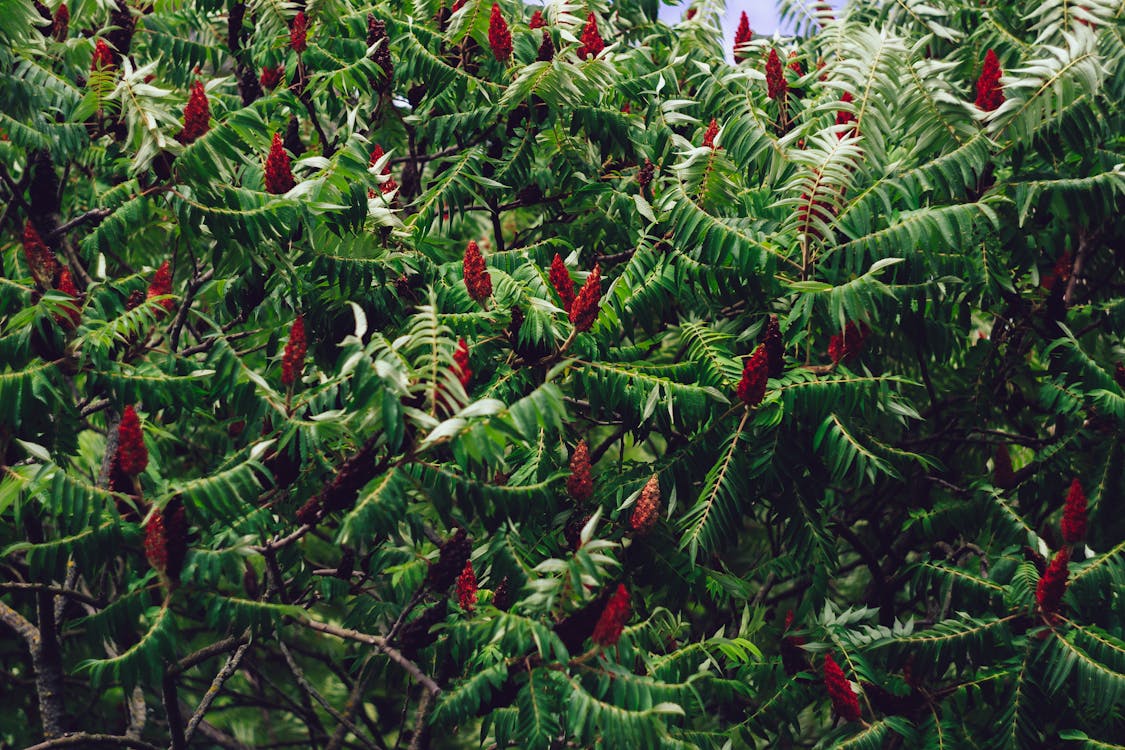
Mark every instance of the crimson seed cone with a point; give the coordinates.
(1052, 584)
(752, 387)
(197, 115)
(845, 117)
(298, 33)
(546, 48)
(592, 42)
(461, 363)
(66, 286)
(989, 94)
(60, 26)
(1074, 514)
(279, 175)
(467, 588)
(377, 34)
(647, 510)
(271, 76)
(580, 483)
(561, 281)
(475, 273)
(389, 185)
(775, 348)
(161, 285)
(775, 77)
(584, 311)
(293, 360)
(844, 700)
(847, 345)
(103, 56)
(451, 561)
(710, 133)
(613, 618)
(536, 20)
(499, 38)
(132, 455)
(742, 36)
(40, 260)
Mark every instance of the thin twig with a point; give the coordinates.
(84, 739)
(311, 691)
(213, 691)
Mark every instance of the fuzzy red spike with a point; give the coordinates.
(1052, 584)
(580, 483)
(271, 76)
(132, 455)
(844, 116)
(546, 48)
(293, 360)
(989, 94)
(592, 43)
(162, 285)
(279, 175)
(66, 286)
(475, 273)
(613, 618)
(166, 540)
(40, 260)
(752, 387)
(561, 281)
(710, 134)
(742, 36)
(536, 21)
(775, 77)
(197, 115)
(647, 510)
(845, 346)
(461, 363)
(499, 38)
(103, 56)
(60, 25)
(467, 588)
(388, 185)
(299, 32)
(1074, 514)
(586, 305)
(844, 700)
(795, 64)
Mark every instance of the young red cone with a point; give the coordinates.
(775, 77)
(647, 510)
(279, 176)
(461, 363)
(752, 387)
(536, 21)
(197, 115)
(499, 38)
(132, 455)
(561, 281)
(710, 133)
(298, 33)
(1052, 584)
(389, 185)
(584, 311)
(592, 43)
(845, 346)
(166, 540)
(795, 64)
(475, 273)
(40, 260)
(60, 25)
(580, 483)
(1074, 514)
(989, 94)
(293, 360)
(844, 700)
(467, 588)
(546, 48)
(103, 56)
(613, 618)
(162, 285)
(271, 76)
(66, 286)
(742, 36)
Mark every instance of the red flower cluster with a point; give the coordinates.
(710, 133)
(467, 588)
(584, 311)
(279, 175)
(40, 260)
(271, 76)
(647, 510)
(741, 36)
(66, 286)
(844, 700)
(103, 56)
(293, 359)
(132, 455)
(461, 363)
(795, 64)
(989, 94)
(775, 77)
(60, 25)
(161, 285)
(612, 621)
(645, 174)
(845, 346)
(592, 43)
(536, 21)
(166, 540)
(1052, 584)
(752, 387)
(580, 483)
(475, 273)
(389, 185)
(1074, 514)
(775, 349)
(691, 13)
(197, 115)
(561, 281)
(499, 38)
(843, 116)
(299, 33)
(546, 48)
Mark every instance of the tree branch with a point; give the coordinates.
(84, 739)
(213, 691)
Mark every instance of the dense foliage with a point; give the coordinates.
(397, 375)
